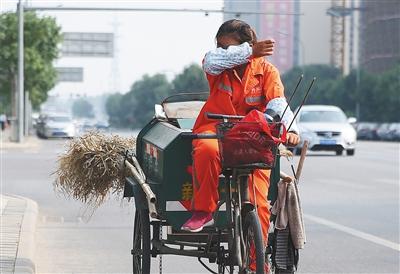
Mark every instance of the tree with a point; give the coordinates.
(135, 108)
(377, 95)
(144, 95)
(192, 79)
(327, 78)
(386, 96)
(114, 110)
(81, 108)
(41, 38)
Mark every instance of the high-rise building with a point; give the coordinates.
(379, 35)
(279, 23)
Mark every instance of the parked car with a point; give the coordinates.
(327, 129)
(55, 125)
(394, 132)
(367, 131)
(102, 126)
(383, 132)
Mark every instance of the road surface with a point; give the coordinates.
(351, 207)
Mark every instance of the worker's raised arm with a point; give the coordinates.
(220, 59)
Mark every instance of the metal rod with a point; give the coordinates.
(199, 135)
(217, 116)
(206, 11)
(151, 198)
(191, 244)
(291, 96)
(182, 252)
(302, 102)
(138, 168)
(20, 113)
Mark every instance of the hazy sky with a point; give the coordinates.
(146, 42)
(152, 42)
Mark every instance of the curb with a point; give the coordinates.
(28, 142)
(25, 260)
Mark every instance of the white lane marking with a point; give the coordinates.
(354, 232)
(394, 182)
(3, 204)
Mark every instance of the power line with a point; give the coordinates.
(205, 11)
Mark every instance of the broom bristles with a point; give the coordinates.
(93, 167)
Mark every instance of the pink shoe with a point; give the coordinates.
(198, 221)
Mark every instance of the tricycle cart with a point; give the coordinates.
(163, 150)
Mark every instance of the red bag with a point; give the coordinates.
(251, 141)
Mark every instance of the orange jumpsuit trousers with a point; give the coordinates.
(206, 170)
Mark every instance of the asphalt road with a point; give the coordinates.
(351, 207)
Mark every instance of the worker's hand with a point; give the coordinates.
(292, 139)
(263, 48)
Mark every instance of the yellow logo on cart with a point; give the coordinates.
(187, 191)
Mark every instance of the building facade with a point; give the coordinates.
(379, 35)
(278, 23)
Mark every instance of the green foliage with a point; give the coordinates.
(114, 110)
(387, 96)
(327, 78)
(136, 108)
(41, 38)
(81, 108)
(144, 95)
(376, 95)
(192, 79)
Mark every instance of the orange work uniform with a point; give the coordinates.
(231, 95)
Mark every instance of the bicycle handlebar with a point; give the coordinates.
(223, 116)
(199, 135)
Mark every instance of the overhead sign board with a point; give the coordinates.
(69, 74)
(88, 44)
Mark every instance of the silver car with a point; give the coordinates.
(327, 129)
(55, 125)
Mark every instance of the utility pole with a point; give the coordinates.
(296, 37)
(20, 86)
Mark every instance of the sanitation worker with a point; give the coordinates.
(240, 80)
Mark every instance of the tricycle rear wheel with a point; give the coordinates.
(141, 242)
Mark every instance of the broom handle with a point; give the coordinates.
(301, 161)
(283, 175)
(151, 198)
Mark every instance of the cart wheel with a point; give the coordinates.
(141, 242)
(254, 250)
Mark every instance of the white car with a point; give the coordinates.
(327, 129)
(55, 125)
